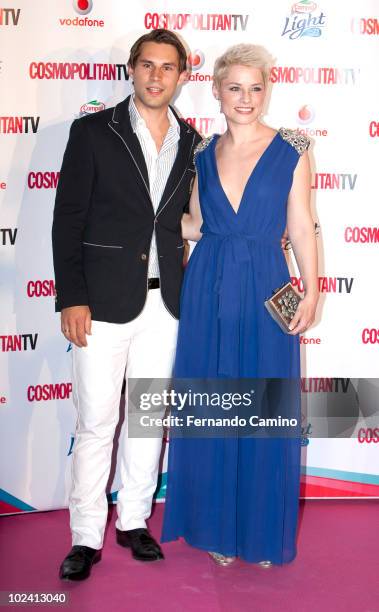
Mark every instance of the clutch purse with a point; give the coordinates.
(282, 305)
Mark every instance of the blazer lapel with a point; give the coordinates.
(182, 161)
(120, 124)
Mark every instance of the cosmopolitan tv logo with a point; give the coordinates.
(204, 125)
(196, 21)
(82, 7)
(18, 342)
(362, 235)
(340, 181)
(43, 180)
(40, 288)
(373, 129)
(324, 385)
(368, 435)
(365, 26)
(304, 20)
(19, 125)
(45, 393)
(312, 75)
(327, 284)
(90, 108)
(8, 236)
(370, 335)
(73, 70)
(9, 16)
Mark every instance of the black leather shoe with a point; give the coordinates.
(78, 563)
(143, 545)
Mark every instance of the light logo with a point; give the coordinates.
(83, 7)
(303, 21)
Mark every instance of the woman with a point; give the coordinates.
(239, 497)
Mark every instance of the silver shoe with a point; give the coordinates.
(221, 559)
(265, 564)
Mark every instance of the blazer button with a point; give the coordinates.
(143, 256)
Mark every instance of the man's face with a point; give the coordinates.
(156, 74)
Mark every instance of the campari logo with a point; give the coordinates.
(89, 108)
(303, 7)
(83, 7)
(303, 21)
(305, 115)
(195, 60)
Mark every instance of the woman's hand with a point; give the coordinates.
(192, 222)
(304, 315)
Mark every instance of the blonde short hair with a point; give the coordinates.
(243, 54)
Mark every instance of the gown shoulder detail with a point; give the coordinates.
(202, 146)
(298, 141)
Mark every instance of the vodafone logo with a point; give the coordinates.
(83, 7)
(195, 60)
(306, 114)
(305, 340)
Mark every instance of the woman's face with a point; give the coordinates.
(241, 93)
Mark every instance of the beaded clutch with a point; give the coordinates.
(282, 305)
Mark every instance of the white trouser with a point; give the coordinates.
(143, 348)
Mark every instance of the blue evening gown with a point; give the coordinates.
(237, 496)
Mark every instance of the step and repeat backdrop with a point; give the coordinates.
(62, 60)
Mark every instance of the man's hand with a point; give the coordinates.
(76, 323)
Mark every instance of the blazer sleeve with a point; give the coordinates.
(192, 167)
(72, 203)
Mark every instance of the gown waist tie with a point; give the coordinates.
(232, 260)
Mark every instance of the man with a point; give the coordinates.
(118, 257)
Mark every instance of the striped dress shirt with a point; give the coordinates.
(159, 166)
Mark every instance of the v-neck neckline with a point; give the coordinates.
(252, 173)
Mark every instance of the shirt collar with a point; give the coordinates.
(138, 122)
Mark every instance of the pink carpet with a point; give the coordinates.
(337, 567)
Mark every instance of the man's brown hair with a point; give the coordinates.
(159, 36)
